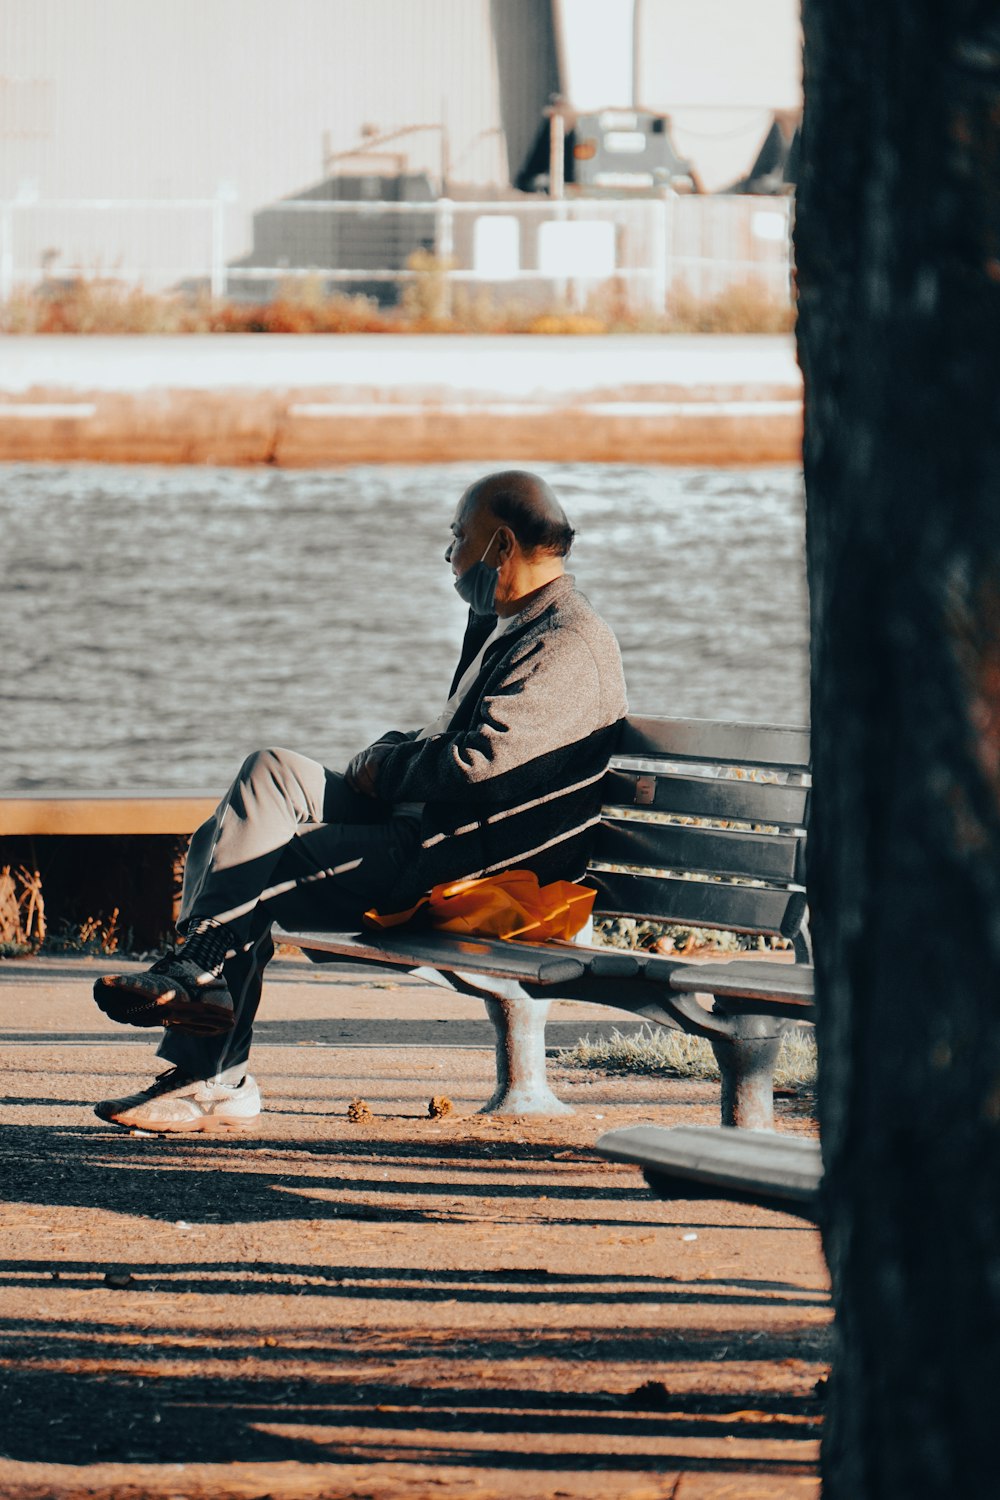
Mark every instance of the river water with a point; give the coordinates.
(158, 623)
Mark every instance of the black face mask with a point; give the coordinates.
(478, 585)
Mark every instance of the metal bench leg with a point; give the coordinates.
(522, 1088)
(746, 1059)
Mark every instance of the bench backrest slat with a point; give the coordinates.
(708, 797)
(716, 851)
(736, 908)
(775, 745)
(703, 825)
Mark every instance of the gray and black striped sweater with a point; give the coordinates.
(515, 780)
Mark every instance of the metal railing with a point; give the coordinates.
(544, 250)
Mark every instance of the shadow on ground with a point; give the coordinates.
(108, 1401)
(106, 1168)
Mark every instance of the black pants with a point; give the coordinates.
(290, 843)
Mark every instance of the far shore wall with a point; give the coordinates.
(128, 881)
(111, 857)
(312, 401)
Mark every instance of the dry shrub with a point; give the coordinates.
(426, 304)
(95, 935)
(101, 932)
(746, 307)
(95, 305)
(22, 908)
(566, 322)
(474, 310)
(430, 304)
(109, 307)
(302, 305)
(612, 304)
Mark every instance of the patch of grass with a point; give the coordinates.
(662, 1052)
(15, 950)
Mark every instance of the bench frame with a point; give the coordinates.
(686, 771)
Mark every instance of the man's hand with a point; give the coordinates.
(362, 772)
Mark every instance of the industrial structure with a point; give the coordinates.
(159, 143)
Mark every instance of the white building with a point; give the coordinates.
(239, 100)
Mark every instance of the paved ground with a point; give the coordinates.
(404, 1307)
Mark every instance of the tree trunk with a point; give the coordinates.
(898, 251)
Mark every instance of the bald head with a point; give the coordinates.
(526, 504)
(512, 522)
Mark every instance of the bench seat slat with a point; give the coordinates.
(775, 745)
(415, 949)
(777, 1169)
(735, 908)
(747, 981)
(710, 797)
(716, 851)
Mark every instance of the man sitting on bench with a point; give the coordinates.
(507, 776)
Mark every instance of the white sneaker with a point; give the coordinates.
(178, 1103)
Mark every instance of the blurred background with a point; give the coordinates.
(532, 147)
(609, 177)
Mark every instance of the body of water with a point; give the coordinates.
(159, 623)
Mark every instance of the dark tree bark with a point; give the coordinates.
(898, 250)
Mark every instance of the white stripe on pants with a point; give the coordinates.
(289, 842)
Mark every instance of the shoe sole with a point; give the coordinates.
(174, 1009)
(207, 1125)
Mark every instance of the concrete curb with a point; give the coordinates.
(313, 402)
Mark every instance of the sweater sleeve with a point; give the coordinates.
(546, 700)
(395, 737)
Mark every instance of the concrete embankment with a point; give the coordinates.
(311, 401)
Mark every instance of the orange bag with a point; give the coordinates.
(509, 905)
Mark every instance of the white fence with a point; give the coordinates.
(544, 250)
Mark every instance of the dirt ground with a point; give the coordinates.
(405, 1306)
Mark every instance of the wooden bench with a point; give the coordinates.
(704, 825)
(697, 1161)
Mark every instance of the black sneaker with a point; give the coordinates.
(174, 992)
